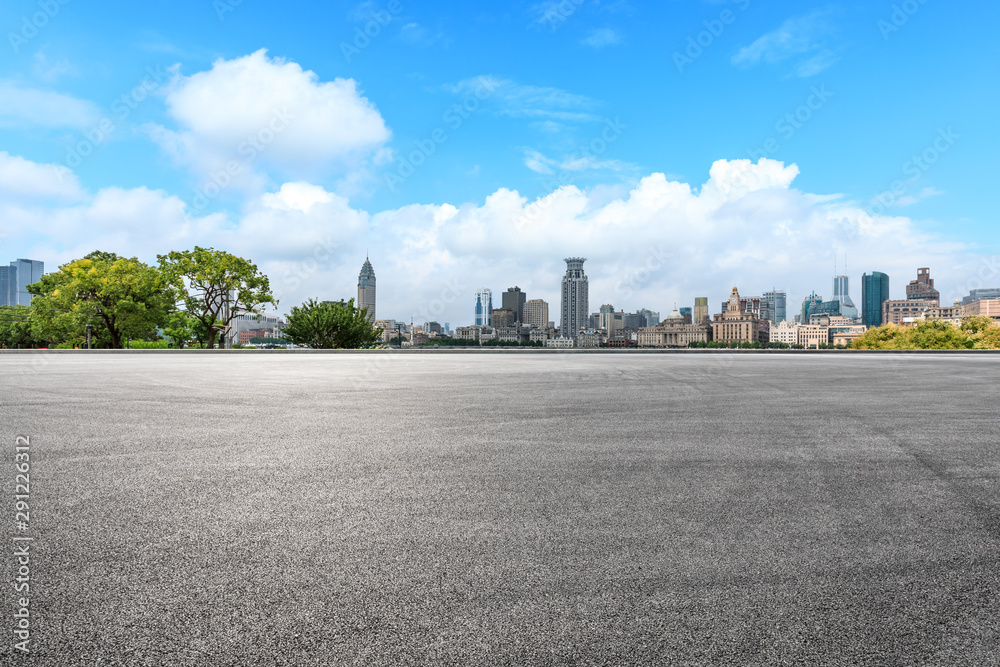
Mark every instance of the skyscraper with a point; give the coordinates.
(777, 305)
(14, 281)
(809, 302)
(484, 307)
(536, 313)
(575, 298)
(923, 287)
(874, 292)
(701, 309)
(514, 298)
(366, 289)
(841, 293)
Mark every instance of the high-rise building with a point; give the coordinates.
(974, 295)
(841, 293)
(777, 305)
(484, 307)
(502, 317)
(514, 299)
(575, 298)
(874, 292)
(687, 315)
(701, 310)
(14, 281)
(536, 313)
(922, 289)
(366, 289)
(808, 303)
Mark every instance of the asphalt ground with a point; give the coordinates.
(505, 509)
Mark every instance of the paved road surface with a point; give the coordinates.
(506, 509)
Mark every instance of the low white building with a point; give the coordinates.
(560, 342)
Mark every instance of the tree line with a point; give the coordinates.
(188, 298)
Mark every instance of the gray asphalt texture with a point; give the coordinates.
(507, 509)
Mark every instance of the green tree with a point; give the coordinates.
(328, 325)
(217, 287)
(122, 298)
(180, 328)
(15, 327)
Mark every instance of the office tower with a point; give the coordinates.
(841, 293)
(536, 313)
(922, 289)
(513, 299)
(874, 292)
(20, 274)
(686, 315)
(502, 317)
(366, 289)
(809, 302)
(974, 295)
(701, 310)
(575, 298)
(777, 305)
(484, 307)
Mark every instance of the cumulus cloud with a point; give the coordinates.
(21, 106)
(22, 179)
(659, 242)
(268, 115)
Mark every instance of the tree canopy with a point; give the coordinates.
(330, 325)
(216, 287)
(979, 333)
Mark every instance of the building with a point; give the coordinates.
(366, 289)
(777, 305)
(590, 338)
(786, 332)
(807, 303)
(536, 313)
(701, 314)
(841, 293)
(14, 281)
(974, 295)
(735, 325)
(826, 308)
(674, 332)
(754, 305)
(433, 328)
(503, 317)
(244, 337)
(513, 299)
(952, 314)
(895, 311)
(813, 335)
(843, 335)
(983, 307)
(922, 289)
(687, 315)
(611, 322)
(575, 298)
(515, 333)
(874, 292)
(559, 342)
(484, 307)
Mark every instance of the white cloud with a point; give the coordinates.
(660, 242)
(269, 115)
(523, 101)
(539, 163)
(27, 107)
(802, 38)
(600, 38)
(22, 179)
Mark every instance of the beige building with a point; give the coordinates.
(843, 335)
(895, 311)
(951, 314)
(812, 335)
(786, 332)
(536, 313)
(673, 332)
(590, 338)
(984, 307)
(559, 342)
(735, 325)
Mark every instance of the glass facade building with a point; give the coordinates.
(484, 307)
(777, 303)
(14, 281)
(874, 292)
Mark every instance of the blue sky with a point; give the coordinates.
(598, 112)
